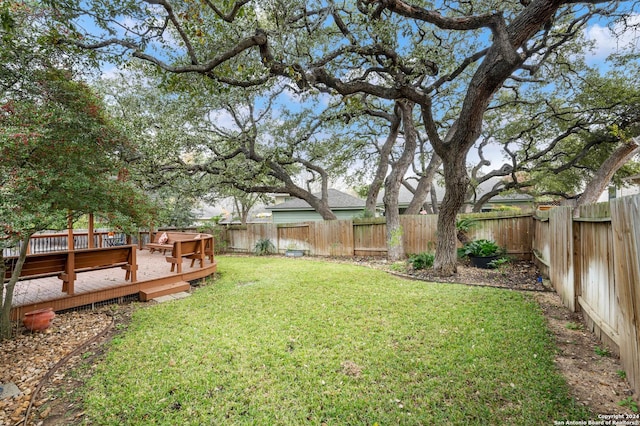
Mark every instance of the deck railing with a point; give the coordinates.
(47, 242)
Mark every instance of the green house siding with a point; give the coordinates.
(295, 216)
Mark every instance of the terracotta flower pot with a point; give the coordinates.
(38, 320)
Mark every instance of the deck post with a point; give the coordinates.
(69, 275)
(91, 230)
(178, 256)
(133, 262)
(70, 243)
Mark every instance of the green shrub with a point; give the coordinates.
(219, 236)
(264, 247)
(501, 264)
(482, 248)
(503, 208)
(422, 261)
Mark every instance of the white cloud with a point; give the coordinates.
(619, 39)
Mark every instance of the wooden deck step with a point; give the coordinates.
(163, 290)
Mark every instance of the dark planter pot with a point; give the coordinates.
(482, 261)
(38, 320)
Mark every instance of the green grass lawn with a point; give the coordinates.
(290, 342)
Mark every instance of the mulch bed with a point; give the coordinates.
(516, 275)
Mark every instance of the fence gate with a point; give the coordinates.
(294, 237)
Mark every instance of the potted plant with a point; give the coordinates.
(482, 252)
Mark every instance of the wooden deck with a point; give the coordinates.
(106, 284)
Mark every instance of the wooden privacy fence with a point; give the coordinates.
(368, 238)
(593, 262)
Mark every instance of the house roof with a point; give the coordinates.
(338, 200)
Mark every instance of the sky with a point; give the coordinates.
(606, 43)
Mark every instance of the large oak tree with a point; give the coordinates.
(449, 59)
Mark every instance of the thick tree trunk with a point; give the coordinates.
(456, 182)
(383, 163)
(434, 199)
(395, 246)
(324, 211)
(601, 179)
(7, 293)
(244, 216)
(322, 207)
(243, 211)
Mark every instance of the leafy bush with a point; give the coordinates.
(501, 264)
(629, 403)
(264, 247)
(422, 261)
(220, 238)
(366, 214)
(482, 248)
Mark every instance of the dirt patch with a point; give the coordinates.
(350, 368)
(593, 374)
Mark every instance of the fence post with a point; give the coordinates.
(577, 263)
(625, 221)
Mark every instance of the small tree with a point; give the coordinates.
(60, 154)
